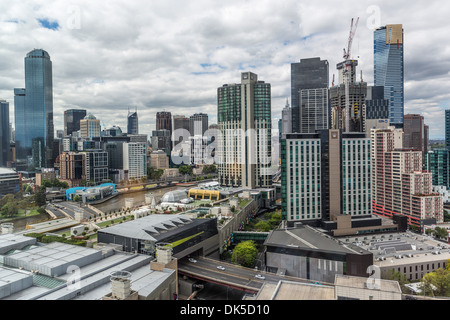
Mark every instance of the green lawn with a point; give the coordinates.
(21, 214)
(108, 222)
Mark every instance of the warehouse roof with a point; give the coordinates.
(149, 227)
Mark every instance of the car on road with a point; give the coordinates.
(192, 260)
(260, 277)
(221, 268)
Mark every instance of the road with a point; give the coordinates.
(233, 275)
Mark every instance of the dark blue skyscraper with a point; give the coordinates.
(132, 123)
(34, 112)
(388, 69)
(4, 133)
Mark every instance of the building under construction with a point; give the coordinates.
(352, 107)
(347, 99)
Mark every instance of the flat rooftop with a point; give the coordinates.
(361, 283)
(399, 248)
(308, 238)
(21, 284)
(10, 242)
(287, 290)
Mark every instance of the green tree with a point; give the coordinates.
(209, 169)
(5, 199)
(9, 209)
(263, 226)
(396, 276)
(157, 174)
(245, 253)
(185, 169)
(77, 198)
(446, 216)
(40, 198)
(441, 232)
(275, 219)
(438, 282)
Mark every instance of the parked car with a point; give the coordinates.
(192, 260)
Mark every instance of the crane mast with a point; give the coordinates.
(347, 54)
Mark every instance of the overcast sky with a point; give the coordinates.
(172, 55)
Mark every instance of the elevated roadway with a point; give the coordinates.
(232, 276)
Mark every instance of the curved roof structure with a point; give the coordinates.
(174, 196)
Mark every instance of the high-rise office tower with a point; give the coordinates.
(309, 74)
(72, 167)
(72, 118)
(181, 128)
(198, 124)
(389, 69)
(162, 140)
(244, 143)
(90, 127)
(324, 175)
(377, 109)
(132, 123)
(33, 110)
(415, 133)
(286, 120)
(5, 139)
(438, 163)
(164, 121)
(447, 129)
(314, 113)
(401, 185)
(348, 105)
(96, 165)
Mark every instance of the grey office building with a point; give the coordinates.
(33, 110)
(9, 182)
(181, 129)
(307, 74)
(161, 140)
(72, 119)
(198, 124)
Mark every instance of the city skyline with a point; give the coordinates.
(146, 62)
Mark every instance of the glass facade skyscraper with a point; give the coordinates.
(4, 133)
(308, 74)
(389, 69)
(72, 119)
(447, 129)
(34, 112)
(132, 123)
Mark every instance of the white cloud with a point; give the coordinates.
(173, 55)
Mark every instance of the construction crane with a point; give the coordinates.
(347, 53)
(347, 64)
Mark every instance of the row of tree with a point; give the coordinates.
(438, 232)
(436, 283)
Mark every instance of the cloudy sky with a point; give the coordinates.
(172, 55)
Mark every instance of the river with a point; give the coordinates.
(20, 224)
(118, 202)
